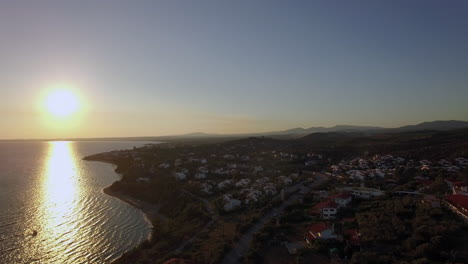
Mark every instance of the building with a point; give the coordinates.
(460, 188)
(320, 231)
(459, 204)
(363, 192)
(342, 199)
(326, 210)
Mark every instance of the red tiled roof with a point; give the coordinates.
(459, 200)
(319, 227)
(310, 237)
(326, 204)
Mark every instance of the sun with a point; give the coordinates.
(62, 103)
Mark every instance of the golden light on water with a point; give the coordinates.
(60, 195)
(61, 175)
(67, 218)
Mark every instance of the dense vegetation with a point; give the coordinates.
(404, 230)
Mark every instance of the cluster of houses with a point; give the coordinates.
(237, 179)
(382, 166)
(328, 210)
(360, 168)
(247, 191)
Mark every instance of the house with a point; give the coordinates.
(258, 169)
(230, 203)
(460, 188)
(180, 175)
(243, 183)
(203, 169)
(326, 210)
(224, 184)
(285, 180)
(228, 157)
(355, 174)
(320, 231)
(342, 199)
(164, 165)
(206, 188)
(459, 204)
(363, 192)
(143, 179)
(252, 195)
(453, 169)
(462, 161)
(444, 163)
(200, 175)
(269, 189)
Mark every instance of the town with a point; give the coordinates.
(261, 200)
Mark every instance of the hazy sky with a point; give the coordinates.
(169, 67)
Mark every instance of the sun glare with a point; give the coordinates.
(62, 103)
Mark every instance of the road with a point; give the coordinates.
(241, 247)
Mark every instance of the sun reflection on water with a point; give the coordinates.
(60, 196)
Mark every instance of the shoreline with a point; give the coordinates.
(149, 211)
(130, 201)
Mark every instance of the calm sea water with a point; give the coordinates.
(53, 210)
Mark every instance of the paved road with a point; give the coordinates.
(241, 247)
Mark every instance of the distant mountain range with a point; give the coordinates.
(440, 125)
(443, 125)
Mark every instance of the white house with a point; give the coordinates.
(180, 175)
(243, 183)
(269, 189)
(363, 192)
(285, 180)
(203, 169)
(326, 210)
(355, 174)
(206, 188)
(200, 175)
(342, 199)
(224, 184)
(164, 165)
(230, 203)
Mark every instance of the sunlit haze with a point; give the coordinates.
(150, 68)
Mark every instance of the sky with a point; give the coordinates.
(149, 68)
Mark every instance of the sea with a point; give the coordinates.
(53, 208)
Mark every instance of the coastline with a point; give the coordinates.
(150, 212)
(134, 203)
